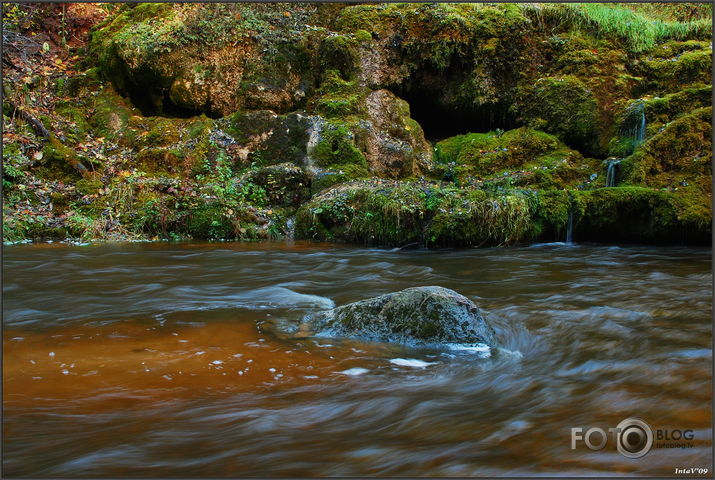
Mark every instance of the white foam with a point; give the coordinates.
(411, 362)
(354, 371)
(480, 349)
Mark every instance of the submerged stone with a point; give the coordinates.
(414, 315)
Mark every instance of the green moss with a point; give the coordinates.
(16, 228)
(661, 110)
(339, 106)
(399, 213)
(156, 131)
(471, 217)
(343, 174)
(681, 151)
(111, 115)
(665, 75)
(88, 186)
(567, 106)
(340, 53)
(543, 160)
(636, 214)
(57, 162)
(336, 147)
(551, 214)
(160, 160)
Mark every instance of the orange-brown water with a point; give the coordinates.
(167, 360)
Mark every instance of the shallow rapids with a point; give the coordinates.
(164, 360)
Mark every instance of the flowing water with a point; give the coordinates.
(162, 360)
(612, 172)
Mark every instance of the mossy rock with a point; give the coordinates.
(568, 108)
(265, 138)
(110, 117)
(682, 151)
(420, 315)
(88, 186)
(160, 161)
(285, 184)
(633, 214)
(686, 69)
(375, 212)
(474, 218)
(191, 59)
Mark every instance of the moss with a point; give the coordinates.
(60, 202)
(336, 147)
(682, 151)
(111, 115)
(400, 213)
(284, 184)
(160, 160)
(634, 214)
(156, 131)
(327, 178)
(551, 214)
(691, 68)
(17, 228)
(621, 147)
(339, 105)
(340, 53)
(88, 186)
(539, 159)
(338, 97)
(59, 162)
(472, 218)
(661, 110)
(567, 106)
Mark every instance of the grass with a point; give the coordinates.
(640, 32)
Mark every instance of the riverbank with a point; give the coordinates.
(390, 125)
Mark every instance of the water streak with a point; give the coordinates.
(613, 165)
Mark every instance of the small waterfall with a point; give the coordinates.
(290, 229)
(612, 171)
(569, 227)
(314, 135)
(640, 129)
(635, 122)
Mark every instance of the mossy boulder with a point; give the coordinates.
(680, 152)
(376, 212)
(188, 58)
(285, 184)
(564, 106)
(420, 315)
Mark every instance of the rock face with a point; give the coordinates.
(413, 315)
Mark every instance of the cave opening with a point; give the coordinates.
(431, 95)
(440, 120)
(152, 103)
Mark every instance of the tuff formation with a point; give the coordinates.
(387, 124)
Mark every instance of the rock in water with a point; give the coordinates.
(414, 315)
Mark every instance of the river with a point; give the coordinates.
(163, 360)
